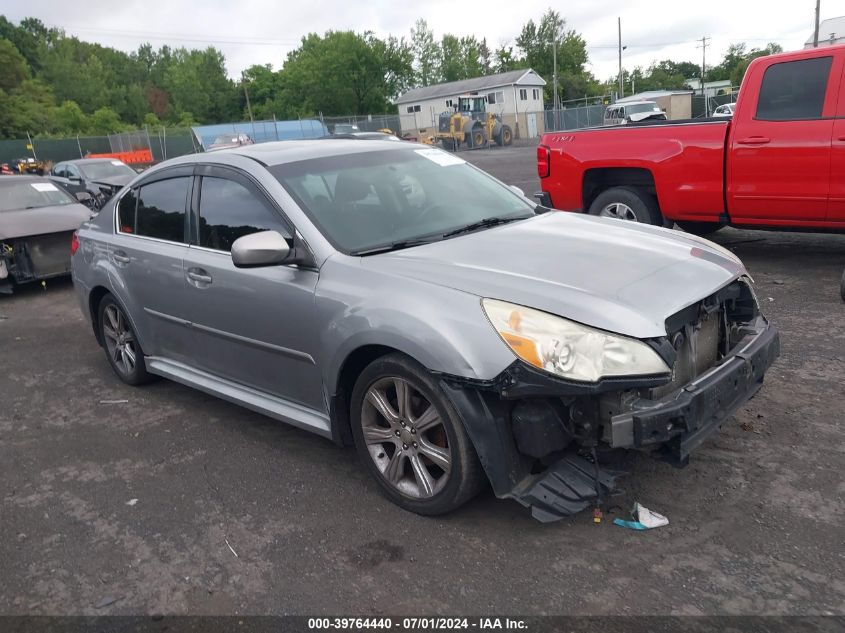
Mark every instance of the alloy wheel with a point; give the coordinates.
(618, 210)
(120, 342)
(406, 437)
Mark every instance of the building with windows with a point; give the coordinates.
(516, 95)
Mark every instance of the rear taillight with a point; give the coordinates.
(544, 155)
(74, 244)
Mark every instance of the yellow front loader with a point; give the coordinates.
(472, 125)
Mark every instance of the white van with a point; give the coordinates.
(633, 112)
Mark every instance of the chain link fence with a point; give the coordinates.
(363, 123)
(712, 101)
(168, 142)
(573, 118)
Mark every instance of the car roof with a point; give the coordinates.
(23, 178)
(281, 152)
(87, 161)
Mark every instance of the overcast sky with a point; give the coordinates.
(263, 31)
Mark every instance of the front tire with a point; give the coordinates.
(122, 349)
(627, 203)
(411, 439)
(700, 228)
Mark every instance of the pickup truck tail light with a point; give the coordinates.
(544, 155)
(74, 244)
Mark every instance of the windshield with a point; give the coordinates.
(642, 107)
(29, 194)
(106, 170)
(366, 200)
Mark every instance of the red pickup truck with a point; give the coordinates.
(779, 163)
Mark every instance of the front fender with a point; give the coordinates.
(442, 328)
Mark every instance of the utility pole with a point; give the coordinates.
(816, 32)
(554, 72)
(621, 85)
(554, 80)
(249, 108)
(704, 46)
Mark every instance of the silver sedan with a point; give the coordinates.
(393, 296)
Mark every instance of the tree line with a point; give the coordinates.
(52, 84)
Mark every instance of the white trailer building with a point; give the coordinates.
(516, 95)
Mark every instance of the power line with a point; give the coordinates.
(181, 37)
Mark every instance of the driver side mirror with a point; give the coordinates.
(265, 248)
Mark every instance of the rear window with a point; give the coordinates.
(794, 91)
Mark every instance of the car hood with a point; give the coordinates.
(643, 116)
(43, 220)
(611, 274)
(115, 181)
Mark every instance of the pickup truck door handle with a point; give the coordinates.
(840, 138)
(754, 140)
(199, 275)
(120, 257)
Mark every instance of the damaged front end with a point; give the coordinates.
(538, 436)
(34, 258)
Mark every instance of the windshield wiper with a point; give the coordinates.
(395, 246)
(482, 224)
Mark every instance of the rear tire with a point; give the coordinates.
(627, 203)
(700, 228)
(120, 343)
(395, 438)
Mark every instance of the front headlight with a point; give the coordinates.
(567, 349)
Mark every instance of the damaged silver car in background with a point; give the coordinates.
(37, 221)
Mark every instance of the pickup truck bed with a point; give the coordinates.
(779, 163)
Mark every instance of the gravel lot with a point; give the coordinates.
(169, 501)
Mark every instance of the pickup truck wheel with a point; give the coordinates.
(627, 203)
(700, 228)
(411, 439)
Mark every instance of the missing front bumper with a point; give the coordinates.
(682, 420)
(563, 482)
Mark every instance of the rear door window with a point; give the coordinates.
(161, 209)
(793, 91)
(229, 210)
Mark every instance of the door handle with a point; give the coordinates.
(840, 138)
(199, 275)
(120, 257)
(754, 140)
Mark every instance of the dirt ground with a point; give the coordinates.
(117, 500)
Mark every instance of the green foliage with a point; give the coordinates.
(13, 67)
(427, 54)
(104, 121)
(69, 119)
(538, 44)
(53, 84)
(341, 73)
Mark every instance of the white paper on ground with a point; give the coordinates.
(649, 518)
(444, 159)
(44, 186)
